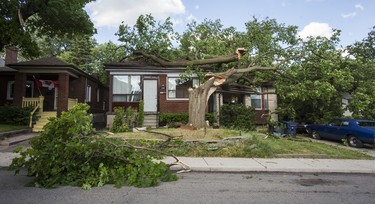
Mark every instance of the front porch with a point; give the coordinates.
(41, 115)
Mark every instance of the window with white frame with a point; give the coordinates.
(256, 99)
(88, 93)
(29, 89)
(179, 89)
(126, 88)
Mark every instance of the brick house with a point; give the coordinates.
(53, 85)
(161, 91)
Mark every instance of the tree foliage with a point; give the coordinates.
(361, 62)
(20, 21)
(310, 76)
(69, 152)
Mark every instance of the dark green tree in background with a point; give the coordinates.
(21, 20)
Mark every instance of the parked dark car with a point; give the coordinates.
(356, 132)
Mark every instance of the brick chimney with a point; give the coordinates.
(11, 55)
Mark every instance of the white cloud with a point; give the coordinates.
(315, 29)
(349, 15)
(359, 6)
(196, 7)
(112, 12)
(191, 18)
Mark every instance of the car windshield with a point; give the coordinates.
(366, 123)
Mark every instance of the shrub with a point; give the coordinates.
(169, 118)
(238, 117)
(68, 152)
(140, 116)
(125, 119)
(15, 115)
(180, 118)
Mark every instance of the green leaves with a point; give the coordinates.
(54, 18)
(68, 152)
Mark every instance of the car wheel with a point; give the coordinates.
(353, 141)
(315, 135)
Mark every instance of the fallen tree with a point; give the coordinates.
(198, 97)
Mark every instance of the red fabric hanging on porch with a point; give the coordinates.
(46, 83)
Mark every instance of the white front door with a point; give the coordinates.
(150, 95)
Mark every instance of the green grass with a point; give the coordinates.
(255, 145)
(7, 127)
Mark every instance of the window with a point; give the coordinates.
(88, 93)
(29, 89)
(179, 90)
(127, 88)
(256, 99)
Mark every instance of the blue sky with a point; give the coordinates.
(355, 18)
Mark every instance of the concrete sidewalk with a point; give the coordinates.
(217, 164)
(210, 164)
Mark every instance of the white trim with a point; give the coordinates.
(10, 83)
(97, 95)
(56, 97)
(88, 94)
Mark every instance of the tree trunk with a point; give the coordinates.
(198, 97)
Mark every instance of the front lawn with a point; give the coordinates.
(7, 127)
(210, 143)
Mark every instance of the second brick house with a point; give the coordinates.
(162, 91)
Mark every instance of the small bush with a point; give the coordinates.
(169, 118)
(15, 115)
(125, 119)
(183, 118)
(141, 114)
(238, 117)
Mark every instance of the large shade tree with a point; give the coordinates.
(361, 62)
(22, 20)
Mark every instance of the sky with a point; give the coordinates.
(355, 18)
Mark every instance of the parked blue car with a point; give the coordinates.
(356, 132)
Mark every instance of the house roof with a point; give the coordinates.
(50, 65)
(139, 67)
(47, 61)
(7, 69)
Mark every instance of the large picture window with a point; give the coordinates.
(178, 89)
(127, 88)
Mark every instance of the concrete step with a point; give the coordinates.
(17, 139)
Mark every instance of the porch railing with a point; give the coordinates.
(72, 102)
(33, 102)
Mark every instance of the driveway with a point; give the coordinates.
(367, 149)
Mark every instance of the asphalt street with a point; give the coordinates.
(196, 187)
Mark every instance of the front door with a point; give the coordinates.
(150, 95)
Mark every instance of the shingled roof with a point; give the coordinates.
(47, 61)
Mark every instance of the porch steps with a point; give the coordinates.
(43, 120)
(151, 120)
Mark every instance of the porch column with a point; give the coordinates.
(63, 93)
(19, 89)
(110, 93)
